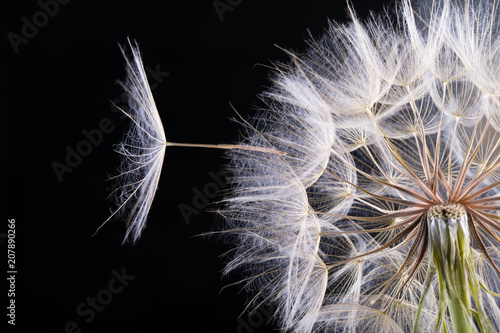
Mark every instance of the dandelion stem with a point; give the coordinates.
(461, 319)
(452, 258)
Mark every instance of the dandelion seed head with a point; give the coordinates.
(391, 132)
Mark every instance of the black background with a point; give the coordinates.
(60, 83)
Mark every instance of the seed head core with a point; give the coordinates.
(447, 211)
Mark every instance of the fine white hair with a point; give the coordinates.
(142, 149)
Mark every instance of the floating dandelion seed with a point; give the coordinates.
(143, 149)
(382, 215)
